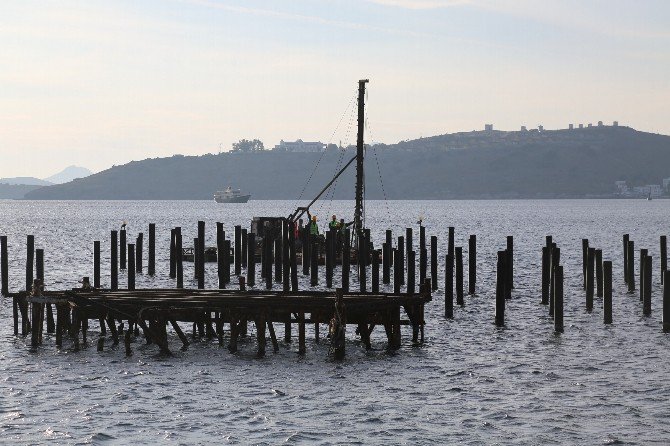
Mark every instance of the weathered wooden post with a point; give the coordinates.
(339, 326)
(386, 264)
(196, 260)
(30, 260)
(201, 255)
(545, 275)
(362, 262)
(631, 266)
(346, 262)
(643, 255)
(558, 300)
(314, 260)
(306, 251)
(131, 266)
(173, 255)
(293, 258)
(179, 267)
(151, 269)
(433, 261)
(664, 257)
(238, 250)
(449, 287)
(410, 272)
(646, 303)
(590, 266)
(585, 260)
(501, 282)
(279, 270)
(459, 276)
(138, 253)
(666, 301)
(599, 272)
(397, 281)
(400, 266)
(626, 239)
(472, 264)
(245, 248)
(329, 258)
(389, 243)
(96, 264)
(251, 258)
(555, 261)
(423, 257)
(4, 268)
(122, 249)
(285, 257)
(409, 241)
(114, 273)
(269, 260)
(509, 266)
(375, 271)
(226, 260)
(607, 291)
(220, 254)
(451, 242)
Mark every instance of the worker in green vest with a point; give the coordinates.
(334, 224)
(313, 227)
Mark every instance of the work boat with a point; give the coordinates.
(230, 195)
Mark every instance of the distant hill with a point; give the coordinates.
(488, 164)
(31, 181)
(15, 191)
(68, 174)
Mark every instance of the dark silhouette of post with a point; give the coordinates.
(449, 287)
(220, 255)
(114, 261)
(423, 257)
(122, 253)
(590, 266)
(4, 265)
(666, 301)
(585, 259)
(599, 272)
(96, 264)
(646, 303)
(151, 268)
(459, 276)
(664, 257)
(410, 272)
(643, 255)
(509, 266)
(251, 258)
(472, 264)
(30, 261)
(433, 261)
(401, 266)
(545, 275)
(346, 262)
(451, 245)
(179, 267)
(386, 264)
(501, 281)
(201, 255)
(558, 300)
(607, 292)
(631, 266)
(238, 250)
(173, 255)
(626, 239)
(131, 266)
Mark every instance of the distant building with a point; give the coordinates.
(655, 190)
(615, 124)
(571, 126)
(488, 127)
(621, 187)
(666, 184)
(300, 146)
(523, 128)
(581, 126)
(600, 123)
(540, 128)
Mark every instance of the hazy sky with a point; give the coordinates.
(97, 83)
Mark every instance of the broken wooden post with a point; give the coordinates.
(338, 326)
(423, 254)
(509, 266)
(96, 264)
(285, 254)
(278, 252)
(451, 245)
(585, 260)
(545, 275)
(138, 253)
(131, 266)
(251, 258)
(631, 266)
(302, 349)
(386, 264)
(173, 255)
(607, 292)
(389, 244)
(293, 259)
(375, 271)
(397, 280)
(410, 272)
(590, 266)
(626, 239)
(329, 258)
(151, 268)
(245, 248)
(643, 255)
(220, 253)
(305, 238)
(401, 257)
(238, 250)
(664, 257)
(599, 273)
(30, 260)
(179, 267)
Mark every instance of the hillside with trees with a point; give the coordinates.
(487, 164)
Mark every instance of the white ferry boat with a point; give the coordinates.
(230, 195)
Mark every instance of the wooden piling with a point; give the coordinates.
(555, 256)
(122, 247)
(238, 250)
(346, 262)
(196, 258)
(423, 257)
(131, 266)
(293, 259)
(433, 261)
(626, 239)
(179, 267)
(646, 303)
(590, 266)
(631, 266)
(501, 282)
(664, 257)
(410, 272)
(278, 251)
(30, 260)
(459, 276)
(386, 264)
(397, 280)
(174, 255)
(585, 260)
(509, 266)
(389, 243)
(4, 266)
(401, 257)
(306, 250)
(114, 273)
(409, 241)
(666, 301)
(302, 348)
(220, 253)
(607, 292)
(472, 264)
(151, 267)
(251, 257)
(375, 271)
(139, 249)
(545, 275)
(362, 262)
(285, 256)
(599, 273)
(201, 255)
(96, 264)
(558, 300)
(226, 260)
(269, 260)
(314, 260)
(329, 258)
(245, 248)
(451, 241)
(643, 255)
(449, 287)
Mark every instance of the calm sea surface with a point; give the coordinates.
(471, 383)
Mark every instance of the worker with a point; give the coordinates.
(334, 224)
(313, 227)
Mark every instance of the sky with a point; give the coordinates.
(101, 83)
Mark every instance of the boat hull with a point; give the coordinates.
(238, 199)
